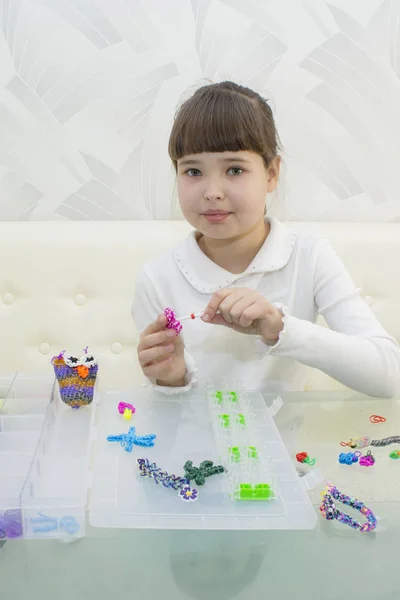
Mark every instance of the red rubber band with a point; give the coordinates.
(377, 419)
(344, 443)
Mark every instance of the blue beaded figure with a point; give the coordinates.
(130, 439)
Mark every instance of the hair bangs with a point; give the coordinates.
(219, 123)
(223, 117)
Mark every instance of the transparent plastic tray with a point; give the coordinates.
(24, 401)
(188, 427)
(43, 462)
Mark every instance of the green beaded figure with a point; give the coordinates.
(199, 474)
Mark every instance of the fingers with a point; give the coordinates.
(238, 318)
(159, 369)
(245, 311)
(156, 326)
(157, 343)
(216, 301)
(150, 340)
(235, 306)
(152, 354)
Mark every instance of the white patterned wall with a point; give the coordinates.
(89, 87)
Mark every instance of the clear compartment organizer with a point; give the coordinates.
(43, 461)
(260, 491)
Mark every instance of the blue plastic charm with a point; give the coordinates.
(44, 524)
(69, 525)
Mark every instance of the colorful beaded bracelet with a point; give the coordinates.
(181, 484)
(330, 512)
(362, 442)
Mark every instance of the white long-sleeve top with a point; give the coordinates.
(301, 274)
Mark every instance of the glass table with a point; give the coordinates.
(329, 562)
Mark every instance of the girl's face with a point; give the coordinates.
(223, 194)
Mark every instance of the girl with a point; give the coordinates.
(259, 284)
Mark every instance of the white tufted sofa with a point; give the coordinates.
(66, 285)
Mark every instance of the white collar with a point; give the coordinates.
(207, 277)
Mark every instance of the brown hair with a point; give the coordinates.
(224, 117)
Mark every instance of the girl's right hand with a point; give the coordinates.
(160, 353)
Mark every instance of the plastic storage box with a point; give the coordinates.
(43, 461)
(260, 491)
(49, 454)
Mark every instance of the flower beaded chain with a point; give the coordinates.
(330, 512)
(181, 484)
(362, 442)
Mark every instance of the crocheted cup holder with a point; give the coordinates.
(76, 378)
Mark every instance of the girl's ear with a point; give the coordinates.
(273, 173)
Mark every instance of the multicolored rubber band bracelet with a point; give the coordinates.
(362, 442)
(330, 512)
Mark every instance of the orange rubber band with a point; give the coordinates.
(377, 419)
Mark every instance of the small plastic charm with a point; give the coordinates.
(367, 460)
(188, 494)
(302, 457)
(395, 454)
(348, 458)
(123, 406)
(11, 524)
(172, 322)
(130, 439)
(45, 524)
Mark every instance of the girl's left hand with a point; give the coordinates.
(245, 311)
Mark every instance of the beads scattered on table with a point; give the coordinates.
(395, 454)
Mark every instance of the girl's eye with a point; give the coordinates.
(193, 172)
(235, 170)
